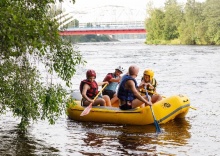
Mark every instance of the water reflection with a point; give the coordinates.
(15, 143)
(177, 132)
(128, 139)
(191, 70)
(86, 138)
(139, 140)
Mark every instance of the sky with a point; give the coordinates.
(96, 8)
(83, 4)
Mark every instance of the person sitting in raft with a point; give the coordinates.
(89, 89)
(113, 80)
(150, 83)
(128, 91)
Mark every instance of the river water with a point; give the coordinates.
(190, 70)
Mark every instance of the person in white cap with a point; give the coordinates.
(113, 79)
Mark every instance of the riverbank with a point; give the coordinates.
(89, 38)
(173, 42)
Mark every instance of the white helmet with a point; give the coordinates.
(120, 68)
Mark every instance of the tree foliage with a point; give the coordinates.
(28, 33)
(154, 26)
(193, 23)
(172, 19)
(212, 21)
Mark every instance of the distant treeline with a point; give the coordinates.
(89, 38)
(194, 23)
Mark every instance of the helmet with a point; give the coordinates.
(90, 73)
(120, 68)
(149, 72)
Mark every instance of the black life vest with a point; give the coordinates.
(123, 93)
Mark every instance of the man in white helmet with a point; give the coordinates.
(113, 79)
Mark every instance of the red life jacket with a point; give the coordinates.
(93, 91)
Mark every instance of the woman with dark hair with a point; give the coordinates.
(89, 90)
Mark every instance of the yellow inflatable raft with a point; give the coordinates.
(169, 108)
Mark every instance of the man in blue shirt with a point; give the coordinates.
(128, 93)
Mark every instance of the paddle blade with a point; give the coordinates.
(192, 107)
(158, 130)
(86, 110)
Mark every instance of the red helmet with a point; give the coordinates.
(90, 73)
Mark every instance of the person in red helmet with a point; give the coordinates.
(89, 89)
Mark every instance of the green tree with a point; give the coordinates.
(172, 19)
(27, 33)
(190, 23)
(74, 23)
(155, 26)
(200, 26)
(196, 23)
(212, 21)
(89, 25)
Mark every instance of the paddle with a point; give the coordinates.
(158, 130)
(88, 108)
(192, 107)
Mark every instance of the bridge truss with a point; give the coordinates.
(105, 20)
